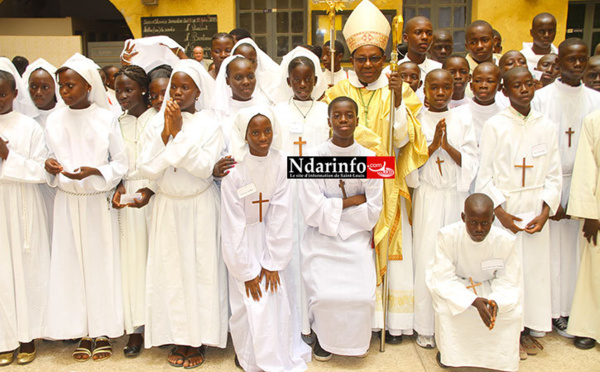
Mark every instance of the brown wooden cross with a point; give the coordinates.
(439, 163)
(300, 143)
(473, 285)
(524, 168)
(570, 133)
(342, 183)
(259, 202)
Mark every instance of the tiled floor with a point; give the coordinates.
(559, 354)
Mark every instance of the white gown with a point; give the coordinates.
(314, 130)
(186, 283)
(24, 238)
(494, 266)
(439, 200)
(265, 333)
(134, 225)
(507, 138)
(566, 106)
(85, 273)
(532, 58)
(338, 265)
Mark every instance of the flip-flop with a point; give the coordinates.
(83, 350)
(199, 353)
(106, 349)
(181, 356)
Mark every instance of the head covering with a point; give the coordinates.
(223, 93)
(88, 70)
(152, 52)
(201, 78)
(284, 91)
(239, 146)
(42, 64)
(366, 26)
(267, 70)
(22, 103)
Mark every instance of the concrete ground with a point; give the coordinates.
(559, 354)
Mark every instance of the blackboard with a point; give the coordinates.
(188, 31)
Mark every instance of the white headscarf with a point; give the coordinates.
(201, 78)
(239, 146)
(88, 70)
(284, 91)
(42, 64)
(267, 70)
(223, 93)
(153, 51)
(21, 103)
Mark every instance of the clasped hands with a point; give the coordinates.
(488, 309)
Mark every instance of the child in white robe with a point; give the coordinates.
(566, 102)
(337, 264)
(257, 228)
(267, 70)
(520, 171)
(131, 91)
(186, 288)
(24, 238)
(475, 282)
(444, 182)
(87, 159)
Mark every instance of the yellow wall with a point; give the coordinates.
(381, 4)
(133, 10)
(512, 18)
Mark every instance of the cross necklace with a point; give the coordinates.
(366, 107)
(312, 102)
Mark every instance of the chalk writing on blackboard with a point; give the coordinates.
(188, 31)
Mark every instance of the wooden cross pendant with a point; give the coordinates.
(342, 183)
(570, 133)
(439, 163)
(259, 202)
(473, 285)
(524, 168)
(300, 143)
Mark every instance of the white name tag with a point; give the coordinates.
(492, 264)
(244, 191)
(296, 127)
(130, 198)
(539, 150)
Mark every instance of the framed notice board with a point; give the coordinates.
(188, 31)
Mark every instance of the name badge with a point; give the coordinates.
(296, 127)
(539, 150)
(244, 191)
(492, 264)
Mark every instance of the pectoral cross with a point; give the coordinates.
(524, 168)
(300, 143)
(570, 133)
(439, 163)
(259, 202)
(342, 183)
(473, 285)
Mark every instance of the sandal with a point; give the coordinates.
(174, 352)
(198, 353)
(106, 349)
(80, 350)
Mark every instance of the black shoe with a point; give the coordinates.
(560, 324)
(584, 343)
(438, 357)
(392, 340)
(321, 354)
(132, 351)
(309, 339)
(237, 362)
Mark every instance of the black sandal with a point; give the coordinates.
(198, 353)
(175, 353)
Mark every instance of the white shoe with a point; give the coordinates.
(426, 342)
(536, 334)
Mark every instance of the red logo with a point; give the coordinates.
(381, 167)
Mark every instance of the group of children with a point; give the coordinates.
(157, 203)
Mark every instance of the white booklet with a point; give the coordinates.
(130, 198)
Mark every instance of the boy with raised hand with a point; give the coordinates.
(520, 170)
(543, 32)
(566, 102)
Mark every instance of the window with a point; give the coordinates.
(583, 21)
(453, 15)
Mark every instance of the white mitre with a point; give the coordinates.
(366, 26)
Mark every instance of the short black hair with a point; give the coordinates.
(453, 55)
(162, 71)
(339, 47)
(342, 99)
(221, 35)
(570, 42)
(5, 75)
(240, 33)
(20, 64)
(300, 60)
